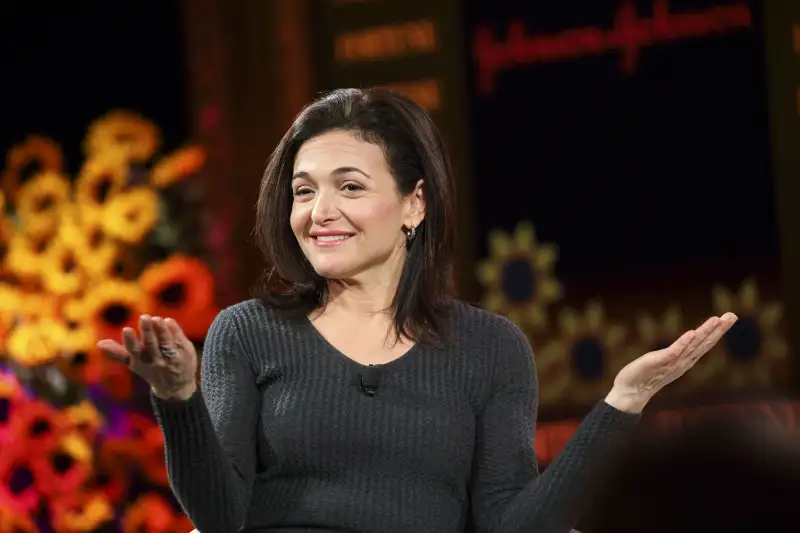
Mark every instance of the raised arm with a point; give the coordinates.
(507, 493)
(210, 439)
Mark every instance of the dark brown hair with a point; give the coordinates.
(414, 150)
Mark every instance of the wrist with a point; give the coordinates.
(181, 394)
(626, 401)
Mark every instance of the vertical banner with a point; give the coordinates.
(209, 96)
(415, 47)
(782, 27)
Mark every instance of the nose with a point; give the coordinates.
(325, 209)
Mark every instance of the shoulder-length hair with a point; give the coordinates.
(414, 150)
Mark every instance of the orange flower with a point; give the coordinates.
(12, 401)
(11, 520)
(118, 382)
(113, 483)
(81, 512)
(18, 489)
(37, 154)
(86, 366)
(38, 427)
(177, 166)
(150, 513)
(149, 448)
(182, 288)
(65, 468)
(138, 137)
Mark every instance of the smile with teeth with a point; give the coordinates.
(330, 240)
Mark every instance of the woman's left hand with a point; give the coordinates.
(642, 378)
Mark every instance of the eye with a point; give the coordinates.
(353, 187)
(301, 191)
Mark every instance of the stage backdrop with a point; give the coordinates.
(620, 179)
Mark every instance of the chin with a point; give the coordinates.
(334, 269)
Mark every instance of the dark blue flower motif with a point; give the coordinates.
(588, 358)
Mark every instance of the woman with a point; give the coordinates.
(355, 394)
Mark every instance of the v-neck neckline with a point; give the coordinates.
(416, 347)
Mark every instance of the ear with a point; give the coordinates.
(415, 207)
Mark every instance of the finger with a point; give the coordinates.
(702, 333)
(180, 338)
(114, 350)
(680, 346)
(151, 353)
(166, 344)
(725, 323)
(132, 344)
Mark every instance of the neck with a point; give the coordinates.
(370, 293)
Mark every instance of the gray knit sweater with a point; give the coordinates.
(282, 437)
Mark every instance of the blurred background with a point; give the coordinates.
(626, 169)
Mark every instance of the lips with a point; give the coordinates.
(327, 240)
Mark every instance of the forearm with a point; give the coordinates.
(210, 489)
(556, 501)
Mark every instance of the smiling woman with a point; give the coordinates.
(358, 195)
(357, 394)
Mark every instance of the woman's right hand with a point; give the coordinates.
(164, 357)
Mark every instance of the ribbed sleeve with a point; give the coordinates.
(508, 495)
(210, 439)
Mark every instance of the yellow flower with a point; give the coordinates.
(95, 251)
(114, 304)
(6, 233)
(40, 153)
(10, 301)
(25, 255)
(81, 335)
(753, 351)
(36, 343)
(40, 203)
(102, 177)
(131, 215)
(138, 137)
(85, 511)
(518, 277)
(177, 166)
(86, 419)
(59, 270)
(37, 306)
(580, 365)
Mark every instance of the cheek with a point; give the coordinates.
(299, 218)
(384, 216)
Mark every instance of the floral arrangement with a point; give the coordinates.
(80, 258)
(579, 352)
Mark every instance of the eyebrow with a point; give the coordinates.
(340, 170)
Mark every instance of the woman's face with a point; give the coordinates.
(347, 213)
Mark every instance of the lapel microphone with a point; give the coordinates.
(370, 378)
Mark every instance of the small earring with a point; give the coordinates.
(412, 232)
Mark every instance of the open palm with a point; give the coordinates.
(643, 377)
